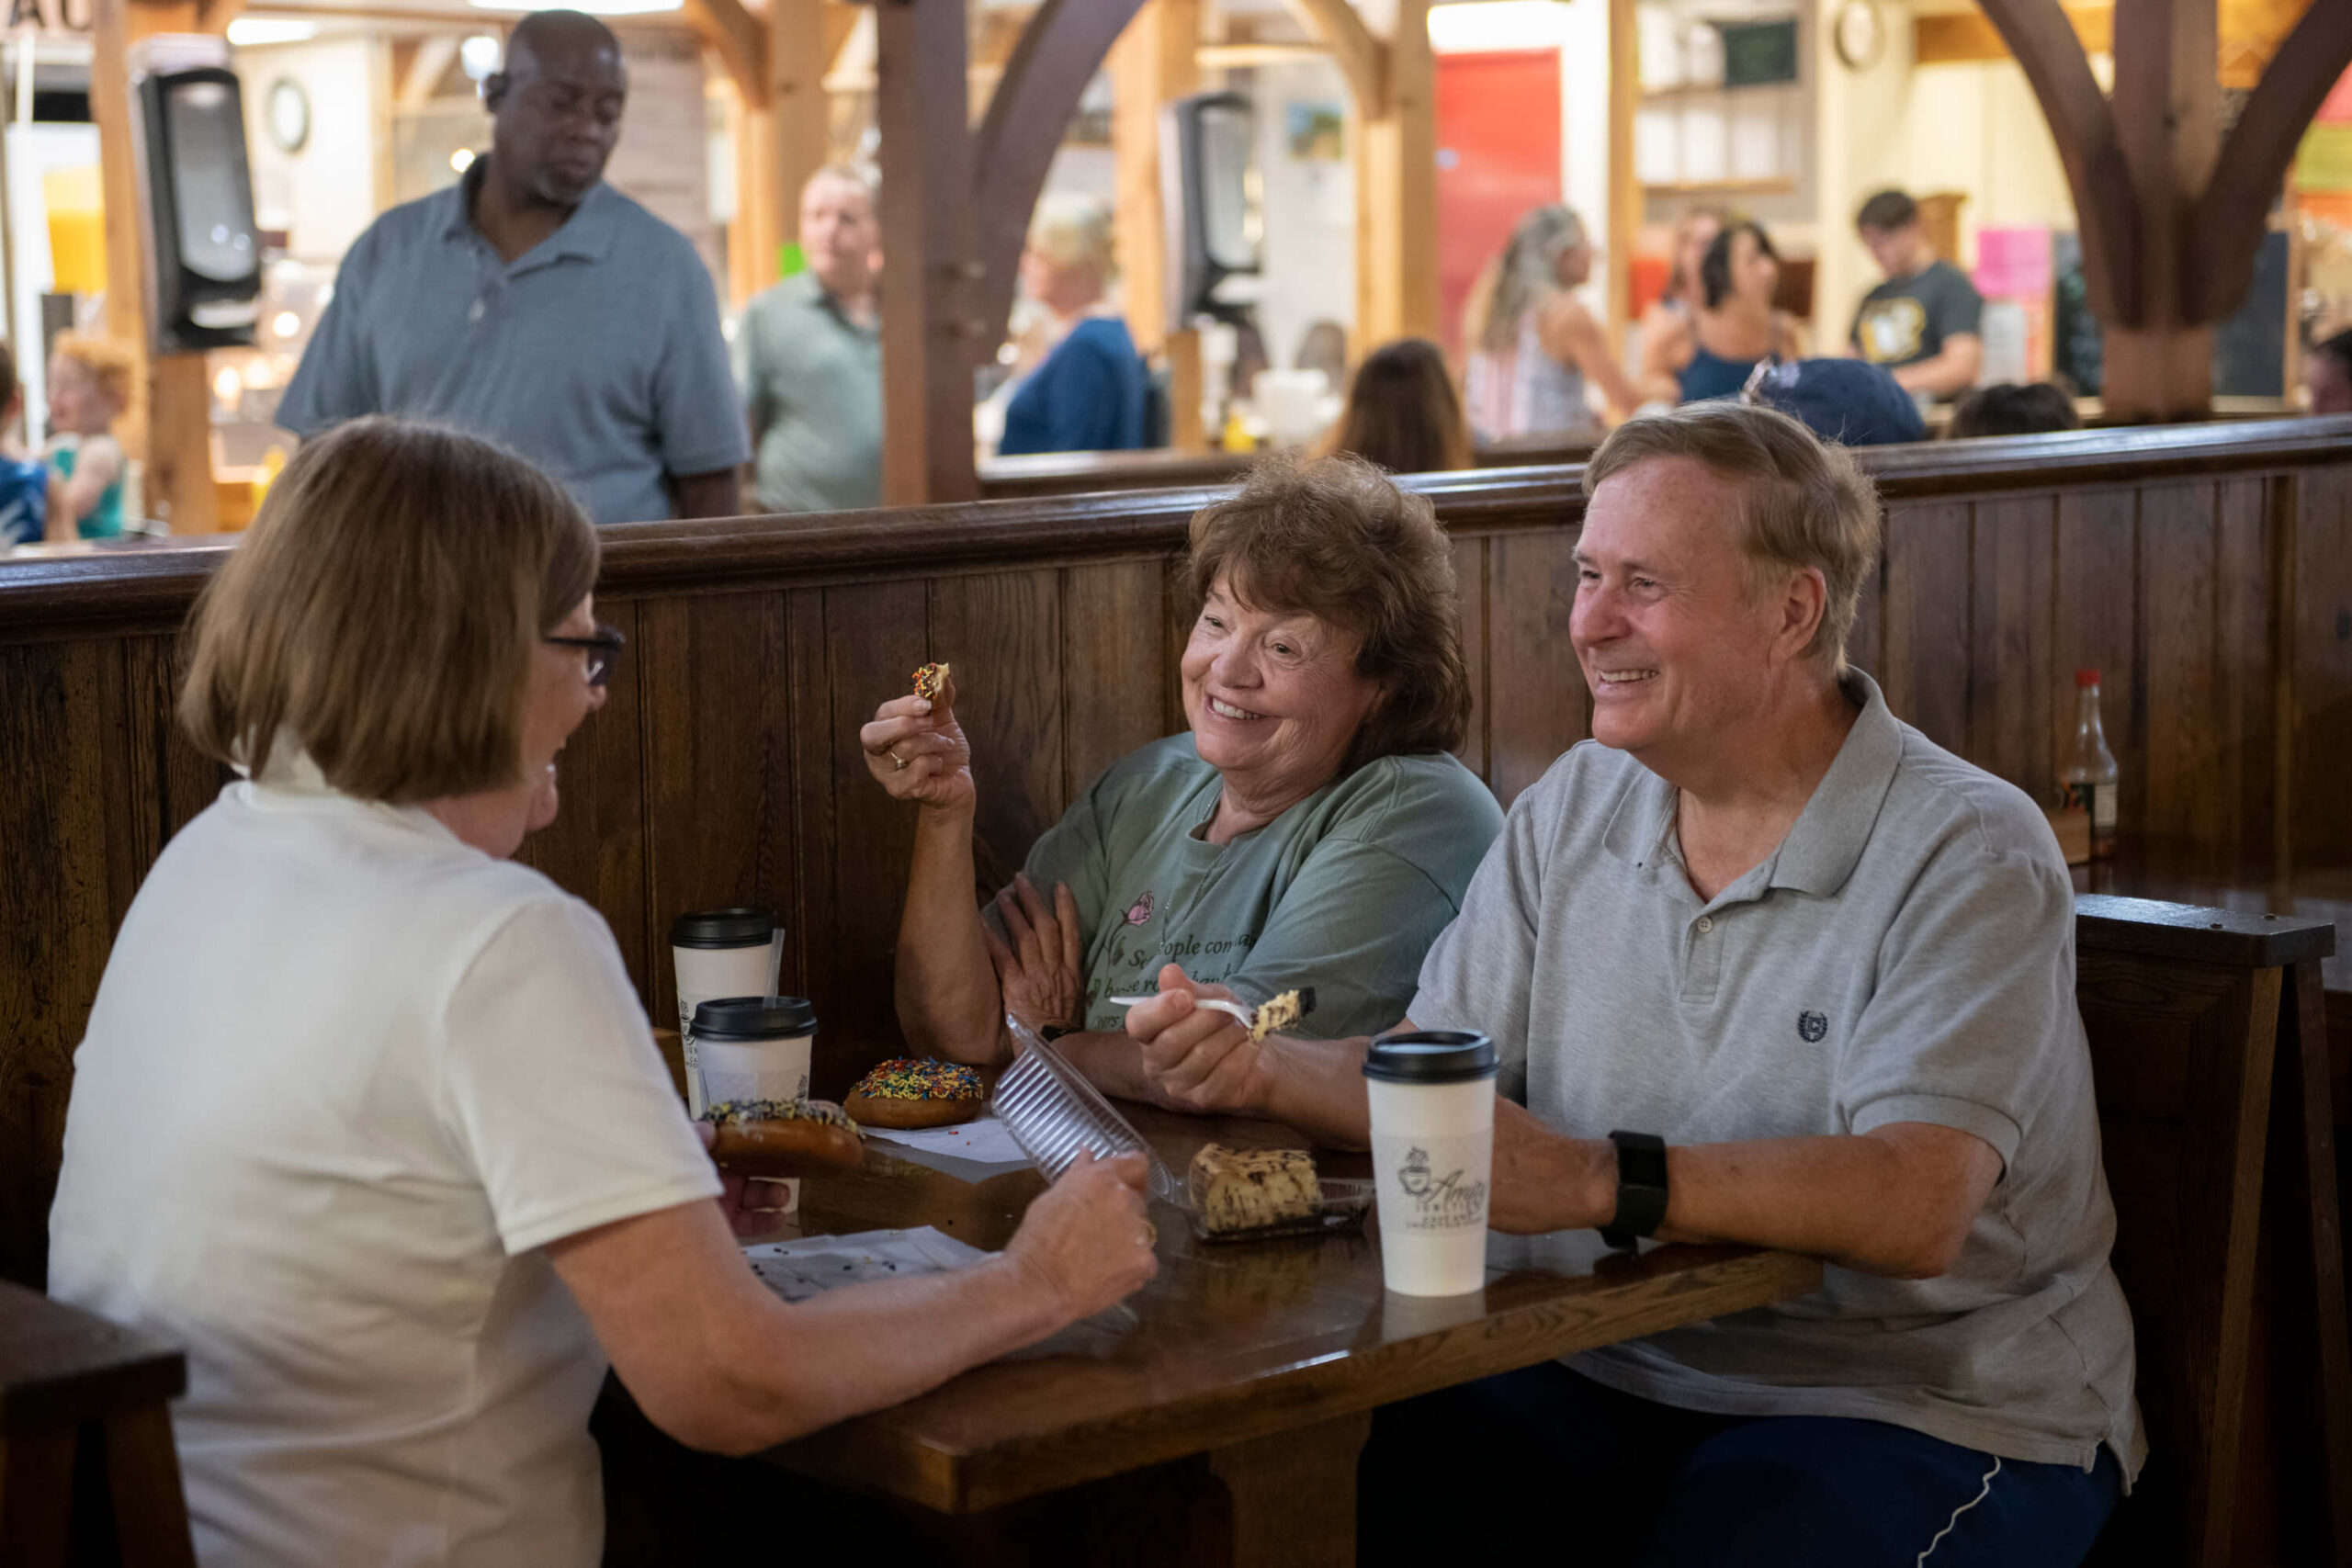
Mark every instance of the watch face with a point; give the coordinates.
(290, 114)
(1860, 34)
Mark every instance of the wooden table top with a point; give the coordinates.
(1233, 1341)
(2157, 869)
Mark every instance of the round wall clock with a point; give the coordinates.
(289, 114)
(1860, 34)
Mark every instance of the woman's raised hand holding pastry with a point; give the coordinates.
(915, 748)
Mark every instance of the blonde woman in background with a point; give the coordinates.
(1532, 343)
(1089, 393)
(89, 388)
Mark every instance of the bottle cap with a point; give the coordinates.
(2086, 677)
(754, 1018)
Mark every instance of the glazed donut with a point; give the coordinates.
(905, 1092)
(783, 1137)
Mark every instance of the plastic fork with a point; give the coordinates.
(1246, 1016)
(1052, 1113)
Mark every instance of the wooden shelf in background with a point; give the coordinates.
(1778, 185)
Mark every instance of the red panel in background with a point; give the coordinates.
(1497, 154)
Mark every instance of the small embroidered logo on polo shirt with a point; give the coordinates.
(1812, 1026)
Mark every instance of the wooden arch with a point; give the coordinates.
(2171, 215)
(2257, 154)
(1063, 46)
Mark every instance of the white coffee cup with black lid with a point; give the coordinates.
(734, 952)
(755, 1048)
(1432, 1100)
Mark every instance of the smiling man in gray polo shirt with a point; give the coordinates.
(534, 304)
(1765, 966)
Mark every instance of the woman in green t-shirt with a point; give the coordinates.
(1311, 829)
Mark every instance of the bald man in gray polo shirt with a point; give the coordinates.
(1830, 966)
(536, 305)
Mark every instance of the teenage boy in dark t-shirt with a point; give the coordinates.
(1922, 322)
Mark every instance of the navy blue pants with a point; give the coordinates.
(1548, 1461)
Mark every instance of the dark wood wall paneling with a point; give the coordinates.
(2208, 573)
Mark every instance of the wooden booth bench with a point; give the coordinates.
(2205, 569)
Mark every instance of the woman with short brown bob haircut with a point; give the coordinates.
(369, 1119)
(1309, 829)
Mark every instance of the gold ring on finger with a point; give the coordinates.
(1150, 1234)
(897, 763)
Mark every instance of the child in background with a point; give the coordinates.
(89, 387)
(23, 483)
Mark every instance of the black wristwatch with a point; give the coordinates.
(1641, 1188)
(1054, 1032)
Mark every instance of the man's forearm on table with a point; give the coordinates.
(1317, 1086)
(1853, 1199)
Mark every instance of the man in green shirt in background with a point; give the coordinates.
(808, 358)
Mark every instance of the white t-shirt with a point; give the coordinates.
(345, 1076)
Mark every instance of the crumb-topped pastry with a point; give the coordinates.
(930, 681)
(908, 1091)
(1280, 1013)
(783, 1137)
(1241, 1189)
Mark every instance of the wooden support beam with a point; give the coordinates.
(427, 62)
(2171, 216)
(1396, 292)
(955, 206)
(803, 37)
(2225, 228)
(741, 44)
(1625, 190)
(1155, 63)
(1059, 51)
(1361, 56)
(1954, 38)
(2157, 362)
(933, 328)
(168, 428)
(2083, 126)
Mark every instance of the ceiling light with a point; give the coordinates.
(1495, 24)
(462, 159)
(246, 31)
(479, 55)
(286, 323)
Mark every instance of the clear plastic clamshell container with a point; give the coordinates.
(1342, 1206)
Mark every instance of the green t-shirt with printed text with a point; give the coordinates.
(1343, 892)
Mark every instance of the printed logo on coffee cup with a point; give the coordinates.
(1437, 1187)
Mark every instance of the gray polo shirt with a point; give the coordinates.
(1906, 954)
(596, 355)
(812, 382)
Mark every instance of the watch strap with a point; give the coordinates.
(1641, 1188)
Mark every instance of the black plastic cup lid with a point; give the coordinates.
(754, 1018)
(1432, 1055)
(743, 925)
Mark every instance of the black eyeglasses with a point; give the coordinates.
(604, 651)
